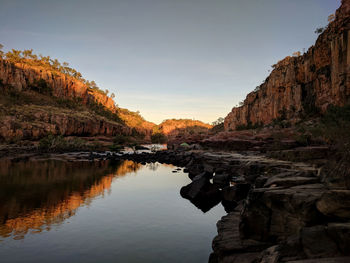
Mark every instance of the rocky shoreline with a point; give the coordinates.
(278, 211)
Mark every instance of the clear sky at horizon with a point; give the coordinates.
(167, 58)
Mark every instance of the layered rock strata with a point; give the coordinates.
(20, 76)
(33, 115)
(303, 84)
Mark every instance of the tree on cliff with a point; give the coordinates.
(28, 57)
(1, 52)
(55, 63)
(28, 54)
(319, 30)
(13, 55)
(218, 121)
(331, 18)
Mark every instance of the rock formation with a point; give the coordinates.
(41, 115)
(174, 126)
(21, 76)
(34, 122)
(183, 130)
(303, 84)
(278, 211)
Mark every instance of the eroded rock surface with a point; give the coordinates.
(298, 85)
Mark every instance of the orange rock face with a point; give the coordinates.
(21, 75)
(36, 121)
(173, 126)
(298, 85)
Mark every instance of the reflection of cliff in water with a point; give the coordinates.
(36, 194)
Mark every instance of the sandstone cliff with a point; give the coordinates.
(72, 108)
(35, 122)
(304, 84)
(21, 75)
(176, 126)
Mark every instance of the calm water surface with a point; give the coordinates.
(57, 211)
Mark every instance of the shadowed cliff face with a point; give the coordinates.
(305, 84)
(34, 122)
(35, 195)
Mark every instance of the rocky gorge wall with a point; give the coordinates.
(20, 76)
(32, 121)
(303, 84)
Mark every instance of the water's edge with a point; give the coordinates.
(259, 194)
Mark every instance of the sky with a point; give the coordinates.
(167, 58)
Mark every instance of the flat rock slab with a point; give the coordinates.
(240, 258)
(291, 181)
(335, 203)
(323, 260)
(228, 238)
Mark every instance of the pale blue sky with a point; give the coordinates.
(167, 58)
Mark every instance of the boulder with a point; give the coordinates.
(221, 179)
(317, 243)
(273, 213)
(202, 175)
(192, 190)
(340, 232)
(335, 203)
(323, 260)
(202, 194)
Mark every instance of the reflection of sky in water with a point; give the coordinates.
(100, 212)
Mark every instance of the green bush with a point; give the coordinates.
(101, 110)
(218, 128)
(116, 147)
(41, 86)
(136, 134)
(158, 138)
(74, 103)
(121, 139)
(332, 128)
(59, 143)
(52, 142)
(337, 116)
(281, 123)
(335, 126)
(249, 126)
(303, 139)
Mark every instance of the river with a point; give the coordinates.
(102, 211)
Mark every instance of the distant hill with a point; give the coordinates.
(176, 126)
